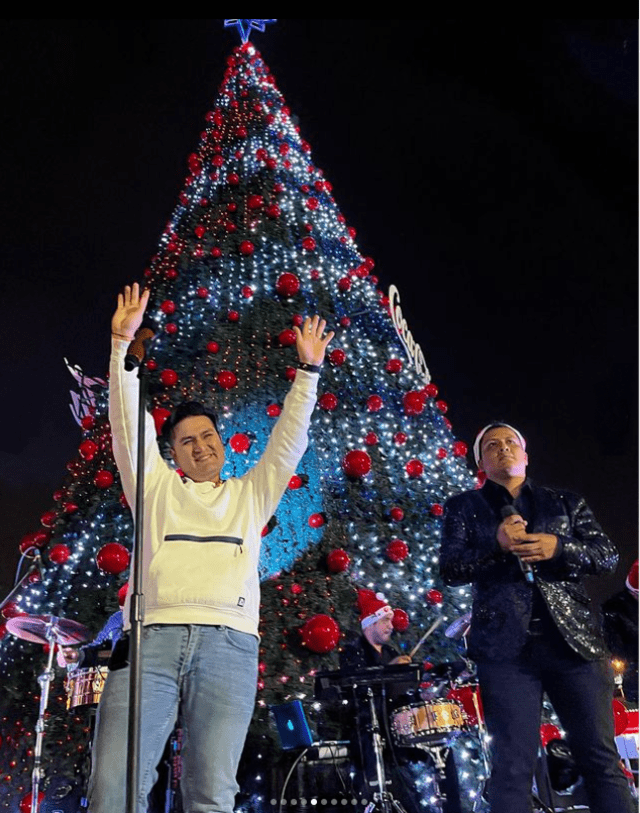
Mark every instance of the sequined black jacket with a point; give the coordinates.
(502, 599)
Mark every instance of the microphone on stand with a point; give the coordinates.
(528, 572)
(138, 347)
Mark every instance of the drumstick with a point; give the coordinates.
(434, 626)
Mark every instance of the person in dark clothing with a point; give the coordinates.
(620, 620)
(526, 549)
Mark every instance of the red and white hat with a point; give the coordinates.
(477, 452)
(373, 607)
(632, 579)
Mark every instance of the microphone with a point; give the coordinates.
(510, 511)
(138, 347)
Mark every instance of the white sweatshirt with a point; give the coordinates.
(201, 544)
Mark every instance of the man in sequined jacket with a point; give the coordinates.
(526, 549)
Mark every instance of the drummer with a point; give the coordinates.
(98, 651)
(372, 647)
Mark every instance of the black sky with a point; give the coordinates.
(489, 167)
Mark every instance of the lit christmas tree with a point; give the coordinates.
(256, 242)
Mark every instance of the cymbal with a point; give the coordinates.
(62, 630)
(459, 627)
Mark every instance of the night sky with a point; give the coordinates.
(489, 168)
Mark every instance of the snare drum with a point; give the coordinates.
(84, 686)
(427, 722)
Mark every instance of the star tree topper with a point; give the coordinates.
(245, 27)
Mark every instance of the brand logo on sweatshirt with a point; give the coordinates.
(241, 601)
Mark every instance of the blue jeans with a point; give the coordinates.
(209, 673)
(581, 693)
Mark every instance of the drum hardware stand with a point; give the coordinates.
(382, 799)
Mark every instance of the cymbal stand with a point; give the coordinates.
(45, 682)
(382, 799)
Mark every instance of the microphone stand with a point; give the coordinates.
(135, 357)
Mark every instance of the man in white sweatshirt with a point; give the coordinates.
(201, 545)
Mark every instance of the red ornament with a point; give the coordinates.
(216, 252)
(345, 321)
(103, 479)
(287, 338)
(397, 550)
(295, 482)
(337, 357)
(122, 593)
(113, 558)
(160, 415)
(309, 244)
(436, 509)
(313, 203)
(338, 560)
(169, 378)
(413, 402)
(168, 307)
(240, 442)
(287, 284)
(226, 379)
(320, 634)
(393, 366)
(374, 403)
(247, 292)
(414, 468)
(69, 507)
(273, 210)
(273, 410)
(202, 292)
(396, 513)
(620, 717)
(316, 520)
(434, 597)
(10, 610)
(255, 202)
(151, 365)
(460, 448)
(247, 248)
(233, 179)
(213, 347)
(441, 453)
(443, 406)
(48, 519)
(431, 390)
(548, 732)
(59, 554)
(371, 439)
(290, 373)
(87, 449)
(171, 328)
(344, 284)
(25, 802)
(400, 620)
(297, 320)
(328, 401)
(356, 463)
(88, 422)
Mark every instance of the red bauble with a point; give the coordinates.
(25, 802)
(620, 717)
(441, 453)
(396, 513)
(313, 203)
(297, 320)
(290, 373)
(255, 202)
(397, 550)
(273, 410)
(400, 620)
(548, 732)
(88, 422)
(434, 597)
(240, 442)
(356, 463)
(247, 248)
(59, 554)
(216, 252)
(10, 610)
(295, 482)
(287, 338)
(413, 402)
(337, 357)
(103, 479)
(328, 401)
(338, 560)
(460, 448)
(246, 292)
(113, 558)
(345, 321)
(431, 390)
(308, 244)
(213, 347)
(393, 366)
(169, 378)
(48, 519)
(344, 284)
(443, 406)
(320, 634)
(233, 316)
(88, 449)
(233, 179)
(171, 328)
(273, 210)
(371, 439)
(202, 292)
(122, 593)
(414, 468)
(316, 520)
(374, 403)
(168, 307)
(160, 415)
(436, 509)
(226, 379)
(287, 284)
(69, 507)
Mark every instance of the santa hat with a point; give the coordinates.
(632, 579)
(372, 607)
(477, 452)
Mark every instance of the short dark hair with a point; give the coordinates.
(187, 409)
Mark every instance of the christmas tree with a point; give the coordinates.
(256, 242)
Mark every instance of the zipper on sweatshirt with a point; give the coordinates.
(230, 540)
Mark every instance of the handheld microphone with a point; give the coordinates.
(138, 347)
(527, 571)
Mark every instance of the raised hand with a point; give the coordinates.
(309, 340)
(128, 316)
